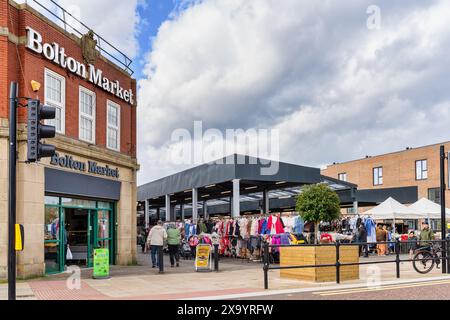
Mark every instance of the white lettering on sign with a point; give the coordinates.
(56, 54)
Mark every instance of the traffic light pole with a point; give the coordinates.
(12, 191)
(443, 211)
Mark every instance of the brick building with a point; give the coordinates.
(85, 196)
(411, 167)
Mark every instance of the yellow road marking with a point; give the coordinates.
(381, 288)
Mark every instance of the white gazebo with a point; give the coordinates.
(392, 209)
(427, 209)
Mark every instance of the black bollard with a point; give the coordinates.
(266, 265)
(161, 259)
(216, 257)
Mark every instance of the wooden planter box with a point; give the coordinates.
(303, 256)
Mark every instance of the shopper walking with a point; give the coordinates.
(142, 239)
(381, 237)
(362, 238)
(173, 241)
(155, 241)
(193, 242)
(426, 235)
(412, 243)
(390, 247)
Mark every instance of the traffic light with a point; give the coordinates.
(38, 131)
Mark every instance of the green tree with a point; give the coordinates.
(318, 203)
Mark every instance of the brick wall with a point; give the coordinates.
(33, 66)
(399, 170)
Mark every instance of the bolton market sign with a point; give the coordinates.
(56, 54)
(68, 162)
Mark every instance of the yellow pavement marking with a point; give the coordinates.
(381, 288)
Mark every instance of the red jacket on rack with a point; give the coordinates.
(278, 226)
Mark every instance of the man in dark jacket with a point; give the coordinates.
(362, 237)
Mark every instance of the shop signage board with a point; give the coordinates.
(101, 264)
(57, 54)
(203, 258)
(93, 167)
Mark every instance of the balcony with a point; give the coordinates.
(54, 12)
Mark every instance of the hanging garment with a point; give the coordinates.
(299, 225)
(254, 227)
(276, 240)
(284, 238)
(231, 228)
(369, 223)
(353, 224)
(282, 222)
(237, 229)
(265, 227)
(187, 230)
(260, 225)
(371, 232)
(274, 225)
(285, 224)
(243, 224)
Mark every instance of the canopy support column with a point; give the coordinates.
(236, 212)
(146, 214)
(182, 211)
(205, 210)
(194, 205)
(168, 208)
(355, 201)
(266, 207)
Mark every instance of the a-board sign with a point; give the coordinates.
(101, 264)
(203, 257)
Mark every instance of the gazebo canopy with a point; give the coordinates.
(427, 209)
(392, 209)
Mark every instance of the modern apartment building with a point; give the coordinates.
(410, 167)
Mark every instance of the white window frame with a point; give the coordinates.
(61, 105)
(378, 180)
(422, 173)
(342, 175)
(90, 117)
(113, 104)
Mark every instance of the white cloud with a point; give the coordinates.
(311, 69)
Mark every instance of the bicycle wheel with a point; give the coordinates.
(423, 262)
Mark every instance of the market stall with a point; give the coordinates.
(427, 209)
(391, 209)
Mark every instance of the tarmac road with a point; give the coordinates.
(432, 290)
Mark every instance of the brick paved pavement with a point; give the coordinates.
(143, 283)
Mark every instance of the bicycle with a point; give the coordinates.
(426, 257)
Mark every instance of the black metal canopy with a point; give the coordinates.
(280, 201)
(214, 180)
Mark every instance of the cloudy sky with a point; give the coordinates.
(336, 82)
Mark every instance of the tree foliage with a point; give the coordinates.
(318, 203)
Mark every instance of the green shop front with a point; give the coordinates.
(80, 216)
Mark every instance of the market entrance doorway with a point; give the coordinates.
(80, 225)
(78, 236)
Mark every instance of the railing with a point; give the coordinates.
(338, 265)
(103, 46)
